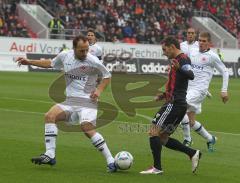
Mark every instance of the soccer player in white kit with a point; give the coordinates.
(189, 47)
(96, 51)
(94, 48)
(203, 63)
(81, 70)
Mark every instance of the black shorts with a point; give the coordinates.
(169, 117)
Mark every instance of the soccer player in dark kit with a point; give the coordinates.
(171, 113)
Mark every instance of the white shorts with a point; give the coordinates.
(79, 114)
(194, 100)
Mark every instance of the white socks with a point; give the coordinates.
(50, 139)
(99, 142)
(197, 127)
(186, 128)
(202, 131)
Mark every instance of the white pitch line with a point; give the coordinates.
(27, 100)
(226, 133)
(48, 102)
(146, 117)
(19, 111)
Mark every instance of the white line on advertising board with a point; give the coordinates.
(46, 46)
(7, 62)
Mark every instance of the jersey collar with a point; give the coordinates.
(205, 50)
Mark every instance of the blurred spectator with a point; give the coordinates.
(127, 30)
(55, 26)
(1, 22)
(115, 39)
(64, 48)
(120, 3)
(220, 54)
(9, 23)
(146, 21)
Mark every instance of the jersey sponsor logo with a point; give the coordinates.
(83, 67)
(204, 59)
(71, 76)
(198, 67)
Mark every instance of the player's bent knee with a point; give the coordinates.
(90, 134)
(154, 131)
(88, 128)
(150, 134)
(50, 118)
(191, 123)
(163, 138)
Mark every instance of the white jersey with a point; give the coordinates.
(80, 75)
(203, 65)
(188, 49)
(96, 50)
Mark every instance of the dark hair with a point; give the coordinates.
(77, 39)
(171, 40)
(205, 35)
(191, 28)
(91, 30)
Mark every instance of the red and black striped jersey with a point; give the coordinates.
(177, 84)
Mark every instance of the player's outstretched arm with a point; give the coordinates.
(46, 63)
(219, 65)
(95, 94)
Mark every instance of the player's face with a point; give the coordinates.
(191, 35)
(168, 51)
(91, 37)
(204, 43)
(81, 50)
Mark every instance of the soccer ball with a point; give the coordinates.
(123, 160)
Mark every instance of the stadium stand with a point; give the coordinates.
(145, 21)
(9, 23)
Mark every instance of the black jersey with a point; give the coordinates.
(177, 84)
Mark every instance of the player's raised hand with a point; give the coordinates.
(22, 61)
(95, 95)
(224, 96)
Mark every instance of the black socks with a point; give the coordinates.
(156, 148)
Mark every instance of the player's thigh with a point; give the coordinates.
(88, 115)
(87, 120)
(194, 100)
(55, 114)
(169, 117)
(154, 130)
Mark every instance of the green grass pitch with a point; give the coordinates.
(24, 100)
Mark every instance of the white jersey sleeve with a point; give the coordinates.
(184, 47)
(218, 64)
(99, 52)
(103, 71)
(96, 50)
(57, 62)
